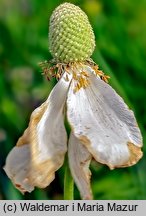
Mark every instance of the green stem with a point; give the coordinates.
(68, 183)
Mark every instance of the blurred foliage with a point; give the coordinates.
(120, 30)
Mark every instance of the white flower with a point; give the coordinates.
(102, 127)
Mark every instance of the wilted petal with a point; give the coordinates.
(44, 143)
(102, 121)
(79, 161)
(18, 166)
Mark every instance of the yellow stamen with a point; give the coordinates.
(81, 79)
(77, 69)
(100, 73)
(66, 78)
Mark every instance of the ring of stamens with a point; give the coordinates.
(80, 76)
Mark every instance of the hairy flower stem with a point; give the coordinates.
(68, 183)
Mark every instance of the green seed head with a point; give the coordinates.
(71, 37)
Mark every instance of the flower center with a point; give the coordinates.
(71, 38)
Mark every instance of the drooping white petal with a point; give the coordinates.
(102, 121)
(18, 166)
(44, 143)
(79, 161)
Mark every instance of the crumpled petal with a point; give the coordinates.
(103, 123)
(41, 149)
(18, 166)
(79, 161)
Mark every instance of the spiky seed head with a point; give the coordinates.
(71, 38)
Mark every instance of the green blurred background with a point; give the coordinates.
(120, 29)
